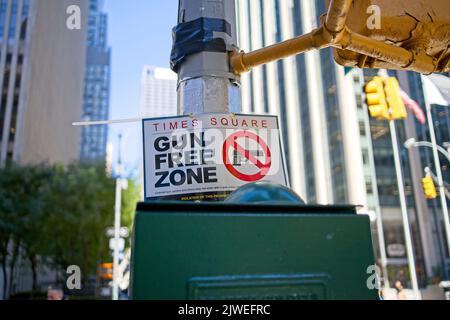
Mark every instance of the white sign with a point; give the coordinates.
(207, 157)
(123, 232)
(396, 250)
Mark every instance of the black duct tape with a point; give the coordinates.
(197, 36)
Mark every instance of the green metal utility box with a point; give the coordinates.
(222, 251)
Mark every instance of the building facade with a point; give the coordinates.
(41, 77)
(158, 92)
(335, 153)
(96, 85)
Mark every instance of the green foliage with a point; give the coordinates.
(60, 213)
(21, 205)
(131, 195)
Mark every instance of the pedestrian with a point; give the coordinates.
(55, 294)
(401, 295)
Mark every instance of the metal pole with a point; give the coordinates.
(373, 173)
(206, 83)
(117, 217)
(105, 122)
(437, 164)
(380, 230)
(404, 209)
(403, 206)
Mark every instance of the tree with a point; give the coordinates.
(7, 186)
(21, 211)
(130, 197)
(57, 215)
(31, 214)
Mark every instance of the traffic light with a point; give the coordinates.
(384, 99)
(428, 188)
(394, 99)
(376, 99)
(105, 271)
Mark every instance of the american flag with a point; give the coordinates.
(414, 107)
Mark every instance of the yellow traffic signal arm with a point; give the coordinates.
(242, 62)
(334, 32)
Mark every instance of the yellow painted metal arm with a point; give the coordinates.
(242, 62)
(335, 33)
(337, 15)
(398, 56)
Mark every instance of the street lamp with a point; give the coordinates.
(410, 143)
(121, 184)
(447, 146)
(117, 218)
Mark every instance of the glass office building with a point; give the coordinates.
(335, 153)
(96, 85)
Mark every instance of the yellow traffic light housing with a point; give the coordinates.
(378, 34)
(412, 27)
(376, 99)
(105, 271)
(384, 99)
(394, 99)
(429, 188)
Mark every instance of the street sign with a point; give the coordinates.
(120, 243)
(231, 144)
(206, 157)
(123, 232)
(396, 250)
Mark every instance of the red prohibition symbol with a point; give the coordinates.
(263, 167)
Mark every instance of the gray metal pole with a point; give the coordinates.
(438, 225)
(373, 173)
(117, 218)
(437, 164)
(404, 209)
(403, 206)
(205, 81)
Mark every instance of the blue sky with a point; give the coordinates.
(139, 33)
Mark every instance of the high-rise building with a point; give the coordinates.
(41, 80)
(96, 85)
(335, 153)
(158, 92)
